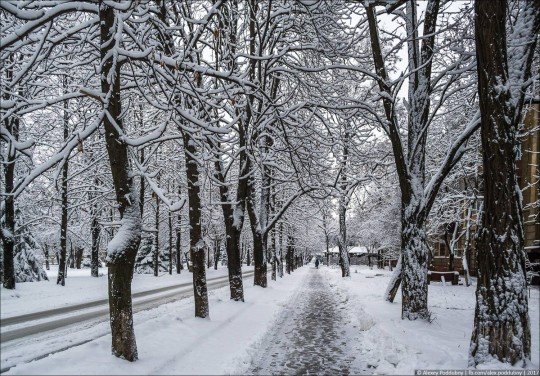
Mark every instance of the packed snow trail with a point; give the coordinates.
(312, 335)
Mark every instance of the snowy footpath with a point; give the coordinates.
(315, 334)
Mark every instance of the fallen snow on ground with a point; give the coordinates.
(81, 288)
(287, 322)
(171, 341)
(396, 346)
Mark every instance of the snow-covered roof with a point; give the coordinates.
(355, 250)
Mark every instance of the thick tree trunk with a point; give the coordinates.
(415, 252)
(122, 249)
(197, 246)
(120, 306)
(260, 278)
(234, 265)
(233, 228)
(501, 322)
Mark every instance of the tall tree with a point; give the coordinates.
(9, 158)
(122, 249)
(61, 280)
(417, 195)
(501, 321)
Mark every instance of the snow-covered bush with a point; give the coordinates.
(28, 266)
(144, 264)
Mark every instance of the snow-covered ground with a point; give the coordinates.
(309, 320)
(171, 341)
(398, 346)
(81, 288)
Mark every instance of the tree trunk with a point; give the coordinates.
(155, 255)
(78, 257)
(288, 255)
(197, 246)
(61, 279)
(415, 252)
(233, 214)
(122, 249)
(395, 281)
(179, 265)
(279, 256)
(344, 260)
(260, 278)
(47, 267)
(141, 161)
(216, 254)
(170, 244)
(71, 257)
(234, 264)
(465, 257)
(8, 232)
(94, 256)
(273, 256)
(501, 321)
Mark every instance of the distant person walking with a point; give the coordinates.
(317, 263)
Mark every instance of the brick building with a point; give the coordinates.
(528, 171)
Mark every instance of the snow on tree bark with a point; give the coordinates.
(197, 245)
(156, 253)
(501, 322)
(61, 280)
(395, 281)
(95, 230)
(414, 269)
(122, 249)
(344, 260)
